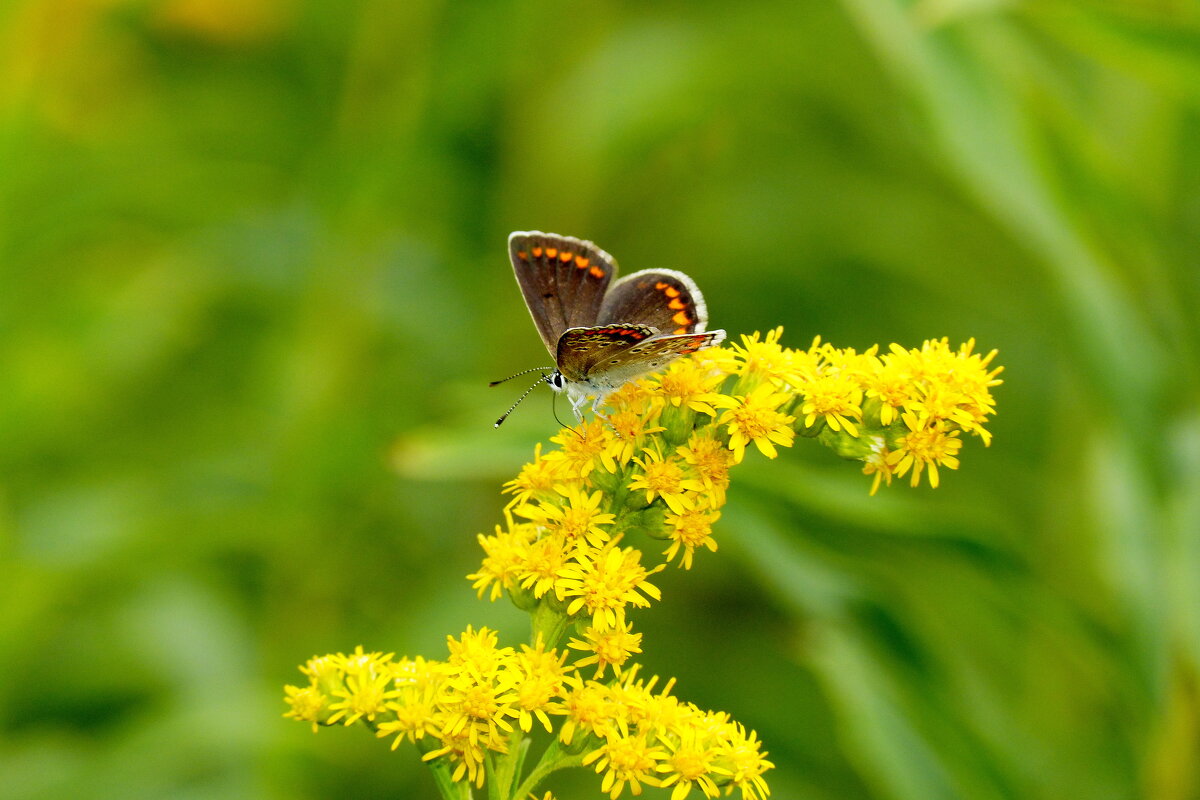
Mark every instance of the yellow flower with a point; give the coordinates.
(742, 758)
(477, 651)
(580, 518)
(464, 749)
(755, 418)
(307, 704)
(690, 530)
(689, 383)
(710, 460)
(876, 463)
(505, 559)
(665, 479)
(604, 583)
(926, 446)
(632, 426)
(536, 479)
(612, 647)
(588, 708)
(892, 386)
(367, 690)
(414, 707)
(690, 761)
(543, 561)
(761, 359)
(625, 758)
(539, 685)
(834, 396)
(580, 448)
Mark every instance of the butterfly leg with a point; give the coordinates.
(601, 397)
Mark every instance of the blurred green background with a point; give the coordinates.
(253, 283)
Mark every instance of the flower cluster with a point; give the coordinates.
(472, 709)
(656, 466)
(660, 462)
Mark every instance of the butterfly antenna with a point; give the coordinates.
(519, 374)
(524, 394)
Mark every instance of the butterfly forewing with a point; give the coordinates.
(661, 298)
(563, 279)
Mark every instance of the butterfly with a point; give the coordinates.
(601, 331)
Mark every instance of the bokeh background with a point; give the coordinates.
(253, 284)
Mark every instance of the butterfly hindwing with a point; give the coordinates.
(563, 279)
(580, 350)
(661, 298)
(614, 354)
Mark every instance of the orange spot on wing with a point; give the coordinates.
(581, 261)
(682, 330)
(671, 291)
(521, 254)
(676, 304)
(537, 252)
(681, 318)
(564, 256)
(596, 272)
(551, 252)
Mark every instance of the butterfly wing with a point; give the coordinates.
(581, 351)
(610, 355)
(563, 280)
(661, 298)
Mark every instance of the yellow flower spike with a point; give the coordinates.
(602, 583)
(610, 648)
(665, 478)
(902, 413)
(755, 418)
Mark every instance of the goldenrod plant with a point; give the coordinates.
(645, 483)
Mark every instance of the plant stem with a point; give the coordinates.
(552, 760)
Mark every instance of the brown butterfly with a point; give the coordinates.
(603, 332)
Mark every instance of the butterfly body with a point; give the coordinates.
(603, 332)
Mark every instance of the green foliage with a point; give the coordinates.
(253, 283)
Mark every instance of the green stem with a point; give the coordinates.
(446, 787)
(502, 770)
(552, 760)
(550, 623)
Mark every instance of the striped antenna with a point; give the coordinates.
(522, 372)
(504, 416)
